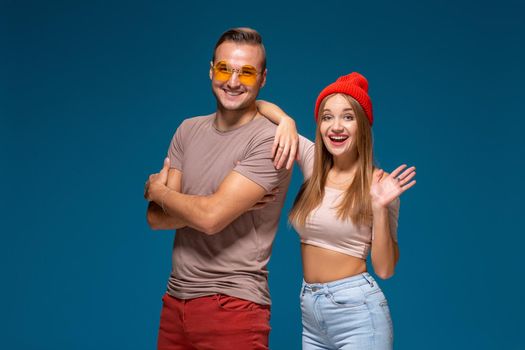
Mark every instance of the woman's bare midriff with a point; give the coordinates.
(322, 265)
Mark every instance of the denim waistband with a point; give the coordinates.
(348, 282)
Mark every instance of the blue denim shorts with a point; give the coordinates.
(351, 313)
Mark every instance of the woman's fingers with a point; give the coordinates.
(278, 155)
(284, 152)
(403, 179)
(407, 172)
(398, 170)
(284, 155)
(275, 145)
(407, 186)
(279, 152)
(293, 153)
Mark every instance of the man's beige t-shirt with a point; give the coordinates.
(233, 261)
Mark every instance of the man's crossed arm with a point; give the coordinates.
(157, 218)
(170, 209)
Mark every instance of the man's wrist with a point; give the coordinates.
(163, 199)
(157, 192)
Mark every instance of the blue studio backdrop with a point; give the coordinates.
(92, 91)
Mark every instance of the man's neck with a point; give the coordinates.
(226, 120)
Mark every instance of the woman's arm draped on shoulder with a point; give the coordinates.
(286, 134)
(271, 111)
(286, 140)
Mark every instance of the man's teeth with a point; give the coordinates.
(233, 93)
(338, 138)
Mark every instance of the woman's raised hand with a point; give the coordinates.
(387, 187)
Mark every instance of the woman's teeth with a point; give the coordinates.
(338, 138)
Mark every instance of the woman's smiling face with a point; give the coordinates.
(338, 126)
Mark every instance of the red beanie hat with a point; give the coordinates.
(353, 84)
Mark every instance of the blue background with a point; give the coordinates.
(92, 92)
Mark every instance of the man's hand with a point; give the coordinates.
(158, 218)
(156, 185)
(267, 198)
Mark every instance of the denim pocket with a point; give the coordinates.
(347, 298)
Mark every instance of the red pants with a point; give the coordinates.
(213, 322)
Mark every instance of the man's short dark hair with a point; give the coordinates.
(242, 35)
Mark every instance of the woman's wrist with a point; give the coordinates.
(378, 208)
(287, 119)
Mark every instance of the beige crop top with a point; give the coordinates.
(323, 228)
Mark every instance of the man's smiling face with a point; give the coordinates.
(232, 94)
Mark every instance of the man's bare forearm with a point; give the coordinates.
(210, 214)
(159, 220)
(202, 213)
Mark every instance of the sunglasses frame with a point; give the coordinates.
(242, 78)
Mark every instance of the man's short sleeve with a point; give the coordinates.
(257, 165)
(176, 148)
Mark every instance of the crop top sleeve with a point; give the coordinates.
(306, 156)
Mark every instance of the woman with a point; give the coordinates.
(345, 209)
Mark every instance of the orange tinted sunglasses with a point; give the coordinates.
(247, 74)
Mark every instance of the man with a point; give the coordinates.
(220, 167)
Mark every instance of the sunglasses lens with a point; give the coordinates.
(222, 71)
(248, 75)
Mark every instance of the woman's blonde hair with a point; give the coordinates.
(356, 203)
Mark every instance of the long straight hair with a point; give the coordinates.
(356, 203)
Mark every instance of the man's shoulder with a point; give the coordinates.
(197, 120)
(193, 124)
(265, 128)
(265, 124)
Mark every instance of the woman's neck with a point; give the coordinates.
(345, 164)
